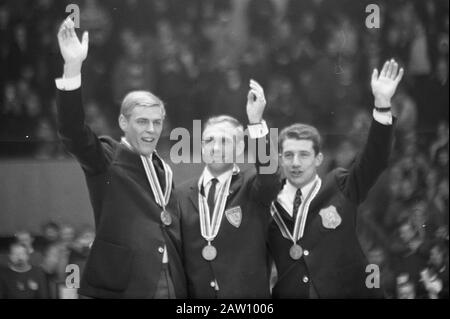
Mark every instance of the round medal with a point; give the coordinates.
(166, 218)
(209, 252)
(296, 252)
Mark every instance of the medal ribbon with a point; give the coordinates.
(160, 198)
(300, 221)
(210, 228)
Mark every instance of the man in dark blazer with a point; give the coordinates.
(313, 234)
(230, 258)
(137, 249)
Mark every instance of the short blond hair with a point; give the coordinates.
(228, 119)
(140, 98)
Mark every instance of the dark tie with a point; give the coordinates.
(297, 202)
(160, 173)
(212, 195)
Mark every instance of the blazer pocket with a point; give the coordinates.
(109, 266)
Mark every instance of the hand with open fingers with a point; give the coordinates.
(256, 102)
(72, 50)
(384, 84)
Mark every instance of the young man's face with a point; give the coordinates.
(299, 161)
(143, 128)
(220, 146)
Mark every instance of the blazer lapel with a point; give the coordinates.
(193, 195)
(313, 230)
(326, 190)
(283, 213)
(236, 183)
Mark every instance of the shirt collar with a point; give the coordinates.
(125, 142)
(207, 176)
(291, 189)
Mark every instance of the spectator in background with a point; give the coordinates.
(57, 256)
(377, 256)
(49, 235)
(405, 288)
(411, 254)
(96, 118)
(435, 277)
(441, 140)
(63, 249)
(135, 68)
(229, 94)
(50, 266)
(283, 103)
(46, 139)
(102, 51)
(81, 247)
(26, 239)
(260, 15)
(21, 280)
(440, 202)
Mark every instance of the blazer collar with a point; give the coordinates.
(236, 183)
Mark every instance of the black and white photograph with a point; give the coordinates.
(224, 154)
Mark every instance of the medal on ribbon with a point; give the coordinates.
(296, 251)
(162, 199)
(210, 225)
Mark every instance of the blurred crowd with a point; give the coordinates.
(314, 58)
(36, 266)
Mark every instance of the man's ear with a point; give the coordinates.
(319, 159)
(123, 123)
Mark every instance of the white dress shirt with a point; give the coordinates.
(287, 195)
(222, 179)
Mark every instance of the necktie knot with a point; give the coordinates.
(212, 195)
(214, 182)
(297, 202)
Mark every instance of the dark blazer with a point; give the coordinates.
(241, 268)
(126, 259)
(334, 265)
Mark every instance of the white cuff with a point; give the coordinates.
(258, 130)
(68, 84)
(382, 118)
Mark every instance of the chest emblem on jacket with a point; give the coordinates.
(234, 216)
(330, 217)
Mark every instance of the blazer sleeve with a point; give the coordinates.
(266, 184)
(356, 182)
(77, 137)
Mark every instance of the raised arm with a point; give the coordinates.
(356, 182)
(267, 182)
(75, 135)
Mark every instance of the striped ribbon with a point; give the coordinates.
(210, 228)
(300, 221)
(162, 199)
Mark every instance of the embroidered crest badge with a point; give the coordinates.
(234, 216)
(330, 217)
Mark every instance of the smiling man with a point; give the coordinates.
(136, 250)
(225, 213)
(313, 234)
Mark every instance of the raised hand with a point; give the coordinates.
(72, 50)
(256, 102)
(385, 84)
